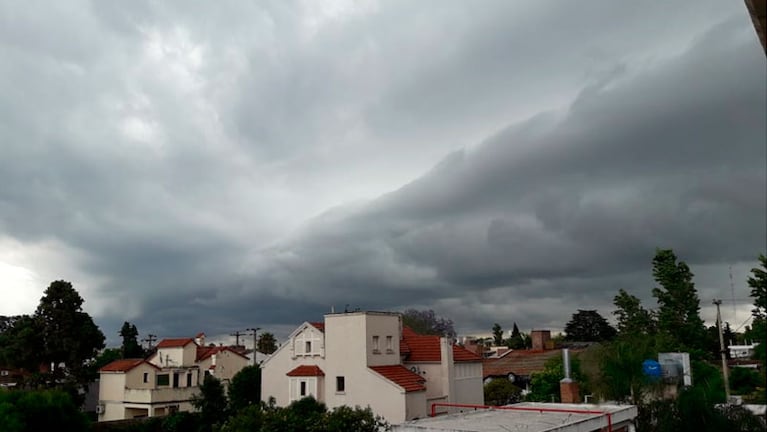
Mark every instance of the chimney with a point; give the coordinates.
(541, 339)
(568, 389)
(200, 339)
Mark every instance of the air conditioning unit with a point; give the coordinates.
(100, 409)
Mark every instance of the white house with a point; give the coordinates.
(369, 359)
(166, 381)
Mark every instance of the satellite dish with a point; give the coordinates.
(512, 377)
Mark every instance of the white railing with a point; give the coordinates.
(159, 395)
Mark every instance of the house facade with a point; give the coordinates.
(369, 359)
(166, 381)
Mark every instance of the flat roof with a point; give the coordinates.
(529, 419)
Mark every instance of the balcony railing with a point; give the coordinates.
(159, 395)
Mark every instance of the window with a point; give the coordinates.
(303, 388)
(389, 348)
(375, 344)
(308, 347)
(146, 377)
(188, 380)
(163, 380)
(340, 384)
(4, 373)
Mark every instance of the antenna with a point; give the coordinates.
(732, 290)
(237, 335)
(149, 339)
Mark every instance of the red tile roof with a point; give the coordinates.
(175, 343)
(124, 365)
(519, 362)
(426, 348)
(402, 376)
(319, 326)
(205, 352)
(307, 371)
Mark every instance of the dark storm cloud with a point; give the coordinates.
(566, 203)
(177, 149)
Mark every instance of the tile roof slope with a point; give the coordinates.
(123, 365)
(174, 342)
(425, 348)
(402, 376)
(319, 326)
(205, 352)
(520, 362)
(306, 370)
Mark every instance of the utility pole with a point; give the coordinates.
(150, 338)
(725, 372)
(237, 335)
(255, 342)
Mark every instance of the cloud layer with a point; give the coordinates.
(224, 167)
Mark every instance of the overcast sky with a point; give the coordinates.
(212, 166)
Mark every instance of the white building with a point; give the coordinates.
(742, 351)
(166, 381)
(369, 359)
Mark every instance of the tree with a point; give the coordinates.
(69, 335)
(588, 326)
(428, 323)
(501, 391)
(130, 347)
(39, 410)
(518, 340)
(245, 388)
(211, 403)
(267, 343)
(544, 385)
(633, 319)
(344, 418)
(20, 343)
(758, 283)
(678, 302)
(497, 335)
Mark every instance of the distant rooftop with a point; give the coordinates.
(497, 420)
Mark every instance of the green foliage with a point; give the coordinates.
(633, 319)
(211, 403)
(588, 326)
(497, 335)
(130, 346)
(41, 410)
(544, 385)
(20, 343)
(304, 415)
(267, 343)
(245, 388)
(678, 302)
(518, 340)
(744, 381)
(428, 323)
(344, 418)
(758, 283)
(68, 334)
(501, 391)
(694, 411)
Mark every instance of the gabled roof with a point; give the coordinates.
(318, 325)
(402, 376)
(426, 348)
(205, 352)
(307, 371)
(175, 342)
(519, 362)
(124, 365)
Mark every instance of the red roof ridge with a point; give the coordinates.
(402, 376)
(124, 365)
(175, 342)
(306, 370)
(318, 325)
